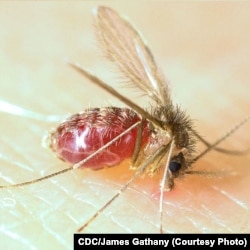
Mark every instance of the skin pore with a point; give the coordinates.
(202, 49)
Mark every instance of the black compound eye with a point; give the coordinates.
(174, 166)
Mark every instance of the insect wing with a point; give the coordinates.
(124, 46)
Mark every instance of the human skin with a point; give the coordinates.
(203, 49)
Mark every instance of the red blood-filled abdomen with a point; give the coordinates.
(82, 134)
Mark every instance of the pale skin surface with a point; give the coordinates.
(203, 49)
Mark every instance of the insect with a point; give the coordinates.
(159, 138)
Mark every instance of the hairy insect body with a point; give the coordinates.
(104, 137)
(83, 134)
(177, 126)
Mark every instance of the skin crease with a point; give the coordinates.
(203, 48)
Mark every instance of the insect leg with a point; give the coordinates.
(222, 150)
(213, 146)
(112, 91)
(161, 150)
(137, 144)
(166, 179)
(77, 165)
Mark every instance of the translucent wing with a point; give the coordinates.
(123, 45)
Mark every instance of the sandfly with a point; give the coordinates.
(161, 137)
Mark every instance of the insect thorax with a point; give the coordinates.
(174, 125)
(177, 125)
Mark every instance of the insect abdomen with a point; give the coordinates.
(84, 133)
